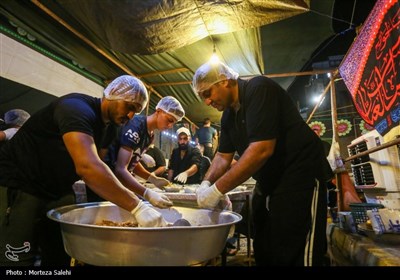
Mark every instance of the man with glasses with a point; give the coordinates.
(277, 148)
(184, 164)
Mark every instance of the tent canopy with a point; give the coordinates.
(164, 42)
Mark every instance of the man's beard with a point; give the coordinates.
(183, 146)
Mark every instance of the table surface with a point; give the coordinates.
(353, 249)
(233, 195)
(238, 199)
(238, 196)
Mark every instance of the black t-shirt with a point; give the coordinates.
(178, 165)
(267, 112)
(36, 160)
(133, 135)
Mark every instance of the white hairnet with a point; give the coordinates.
(127, 88)
(172, 106)
(16, 117)
(211, 73)
(183, 130)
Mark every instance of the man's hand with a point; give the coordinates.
(182, 177)
(159, 182)
(156, 199)
(208, 197)
(226, 203)
(147, 216)
(205, 184)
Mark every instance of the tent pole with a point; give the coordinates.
(335, 133)
(335, 136)
(148, 104)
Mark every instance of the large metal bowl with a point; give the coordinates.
(121, 246)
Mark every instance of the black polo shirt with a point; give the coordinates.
(267, 112)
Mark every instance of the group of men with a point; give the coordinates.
(102, 141)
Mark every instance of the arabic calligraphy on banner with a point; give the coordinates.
(371, 69)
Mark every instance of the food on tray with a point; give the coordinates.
(189, 189)
(173, 188)
(109, 223)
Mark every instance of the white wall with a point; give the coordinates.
(26, 66)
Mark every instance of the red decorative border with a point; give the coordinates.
(352, 67)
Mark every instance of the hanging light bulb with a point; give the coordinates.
(214, 57)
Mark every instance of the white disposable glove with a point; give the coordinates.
(148, 160)
(147, 216)
(159, 182)
(156, 199)
(182, 177)
(208, 197)
(205, 184)
(226, 203)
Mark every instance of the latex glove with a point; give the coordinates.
(226, 203)
(159, 182)
(156, 199)
(208, 197)
(147, 216)
(182, 177)
(205, 184)
(148, 160)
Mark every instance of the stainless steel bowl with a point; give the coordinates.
(121, 246)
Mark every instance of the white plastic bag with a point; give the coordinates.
(148, 160)
(334, 158)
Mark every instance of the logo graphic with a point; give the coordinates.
(12, 252)
(133, 135)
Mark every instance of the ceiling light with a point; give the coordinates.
(214, 57)
(317, 99)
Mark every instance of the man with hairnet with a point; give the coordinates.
(56, 147)
(13, 120)
(277, 148)
(124, 155)
(185, 160)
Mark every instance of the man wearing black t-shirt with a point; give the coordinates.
(185, 160)
(332, 195)
(57, 146)
(277, 148)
